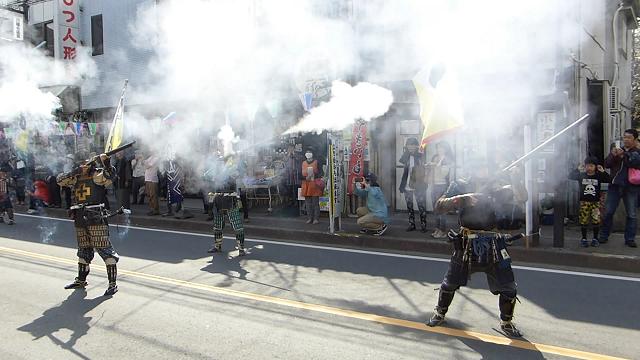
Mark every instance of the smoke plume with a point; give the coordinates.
(363, 101)
(24, 70)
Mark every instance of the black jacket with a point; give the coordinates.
(590, 185)
(124, 173)
(405, 160)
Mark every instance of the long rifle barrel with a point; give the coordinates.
(528, 155)
(120, 148)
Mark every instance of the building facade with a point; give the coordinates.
(585, 69)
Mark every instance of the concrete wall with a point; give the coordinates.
(41, 12)
(596, 50)
(120, 59)
(7, 29)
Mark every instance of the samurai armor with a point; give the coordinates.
(93, 236)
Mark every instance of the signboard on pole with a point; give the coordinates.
(66, 23)
(335, 181)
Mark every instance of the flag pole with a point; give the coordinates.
(119, 109)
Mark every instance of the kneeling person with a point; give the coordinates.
(375, 217)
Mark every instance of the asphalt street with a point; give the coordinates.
(287, 301)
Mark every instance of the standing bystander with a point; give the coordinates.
(413, 183)
(151, 184)
(620, 161)
(590, 175)
(67, 167)
(124, 179)
(137, 165)
(311, 187)
(439, 179)
(5, 195)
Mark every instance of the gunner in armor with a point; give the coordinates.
(477, 246)
(87, 183)
(225, 200)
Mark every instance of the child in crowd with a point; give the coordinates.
(590, 175)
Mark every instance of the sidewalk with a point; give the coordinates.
(612, 256)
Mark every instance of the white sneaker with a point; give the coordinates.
(381, 231)
(440, 235)
(31, 211)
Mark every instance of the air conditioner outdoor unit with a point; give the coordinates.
(614, 99)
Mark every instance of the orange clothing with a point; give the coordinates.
(309, 188)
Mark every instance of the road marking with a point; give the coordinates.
(357, 251)
(498, 340)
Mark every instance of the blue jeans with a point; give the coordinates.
(629, 196)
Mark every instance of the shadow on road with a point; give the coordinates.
(71, 315)
(552, 292)
(495, 351)
(230, 265)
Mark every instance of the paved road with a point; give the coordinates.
(287, 302)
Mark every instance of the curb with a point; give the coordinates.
(546, 256)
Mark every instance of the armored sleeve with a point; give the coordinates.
(448, 201)
(105, 176)
(66, 179)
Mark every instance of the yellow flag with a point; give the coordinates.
(22, 141)
(440, 106)
(117, 126)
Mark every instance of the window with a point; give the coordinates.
(96, 35)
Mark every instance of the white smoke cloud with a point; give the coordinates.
(231, 52)
(228, 138)
(364, 101)
(24, 70)
(232, 63)
(243, 58)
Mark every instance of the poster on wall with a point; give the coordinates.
(324, 201)
(546, 129)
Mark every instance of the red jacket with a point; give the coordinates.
(41, 191)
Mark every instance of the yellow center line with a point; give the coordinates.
(499, 340)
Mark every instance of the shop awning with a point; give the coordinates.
(55, 90)
(69, 96)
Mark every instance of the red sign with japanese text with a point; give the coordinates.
(358, 146)
(67, 27)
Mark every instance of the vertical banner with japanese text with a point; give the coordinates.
(66, 22)
(335, 180)
(358, 146)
